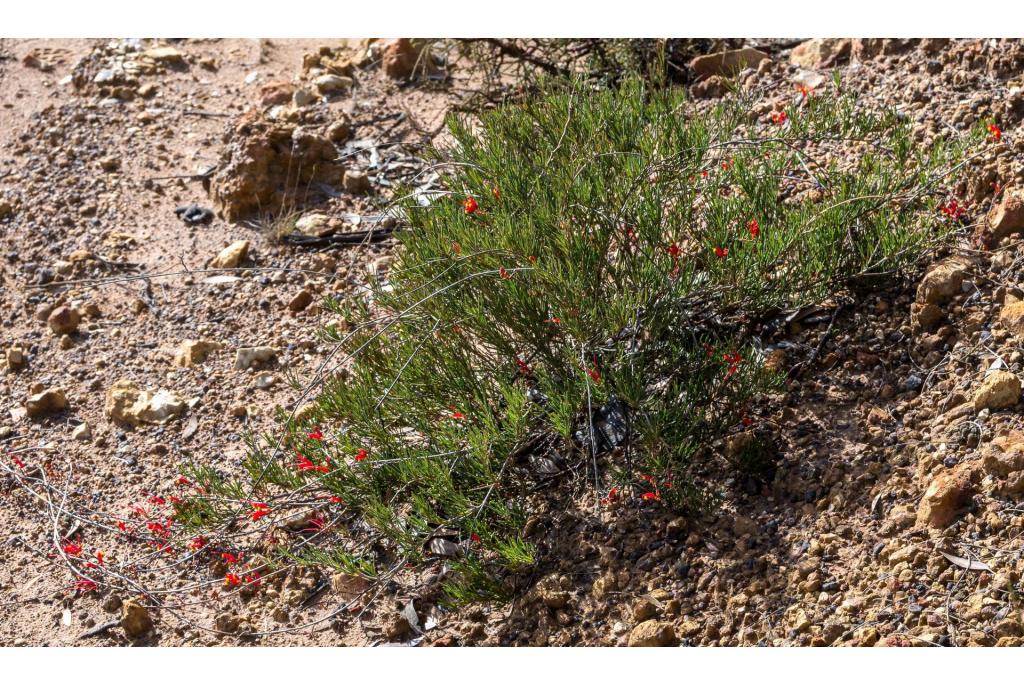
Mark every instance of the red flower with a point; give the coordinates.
(806, 91)
(99, 558)
(533, 259)
(456, 415)
(198, 543)
(157, 499)
(231, 579)
(229, 557)
(996, 132)
(779, 118)
(72, 549)
(259, 510)
(747, 421)
(734, 361)
(337, 500)
(470, 205)
(504, 274)
(316, 524)
(85, 586)
(553, 319)
(497, 193)
(727, 164)
(183, 481)
(704, 173)
(456, 248)
(361, 455)
(474, 538)
(316, 434)
(593, 372)
(253, 579)
(754, 228)
(648, 496)
(721, 252)
(17, 462)
(524, 368)
(674, 250)
(952, 209)
(303, 463)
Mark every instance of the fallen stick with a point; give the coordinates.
(98, 629)
(373, 235)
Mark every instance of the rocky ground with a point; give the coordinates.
(137, 338)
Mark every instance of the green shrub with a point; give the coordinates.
(581, 308)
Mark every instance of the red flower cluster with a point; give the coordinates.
(470, 205)
(524, 368)
(504, 274)
(197, 543)
(779, 118)
(72, 549)
(721, 252)
(232, 579)
(497, 193)
(734, 362)
(229, 557)
(361, 455)
(17, 462)
(995, 131)
(952, 209)
(675, 251)
(805, 91)
(613, 496)
(316, 434)
(456, 248)
(259, 510)
(754, 228)
(303, 463)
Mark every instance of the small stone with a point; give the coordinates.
(15, 357)
(741, 525)
(66, 343)
(399, 58)
(45, 402)
(945, 496)
(110, 163)
(339, 131)
(652, 634)
(231, 256)
(331, 83)
(82, 432)
(125, 403)
(246, 357)
(1011, 316)
(399, 627)
(192, 352)
(302, 98)
(265, 381)
(302, 299)
(643, 610)
(316, 224)
(165, 54)
(64, 320)
(227, 622)
(926, 317)
(942, 282)
(727, 63)
(135, 619)
(821, 53)
(999, 390)
(112, 603)
(1006, 217)
(356, 182)
(147, 90)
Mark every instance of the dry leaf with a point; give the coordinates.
(968, 564)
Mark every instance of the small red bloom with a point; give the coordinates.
(497, 193)
(470, 205)
(754, 228)
(524, 368)
(648, 496)
(183, 481)
(121, 525)
(157, 499)
(17, 462)
(303, 463)
(99, 558)
(231, 579)
(85, 586)
(806, 91)
(727, 164)
(594, 374)
(336, 500)
(952, 209)
(474, 538)
(721, 252)
(198, 543)
(361, 455)
(72, 549)
(995, 131)
(504, 274)
(456, 248)
(553, 319)
(456, 415)
(779, 118)
(704, 173)
(229, 557)
(315, 435)
(316, 524)
(747, 421)
(259, 510)
(533, 259)
(253, 579)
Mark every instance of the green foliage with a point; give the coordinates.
(580, 309)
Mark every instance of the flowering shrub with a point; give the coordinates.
(580, 312)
